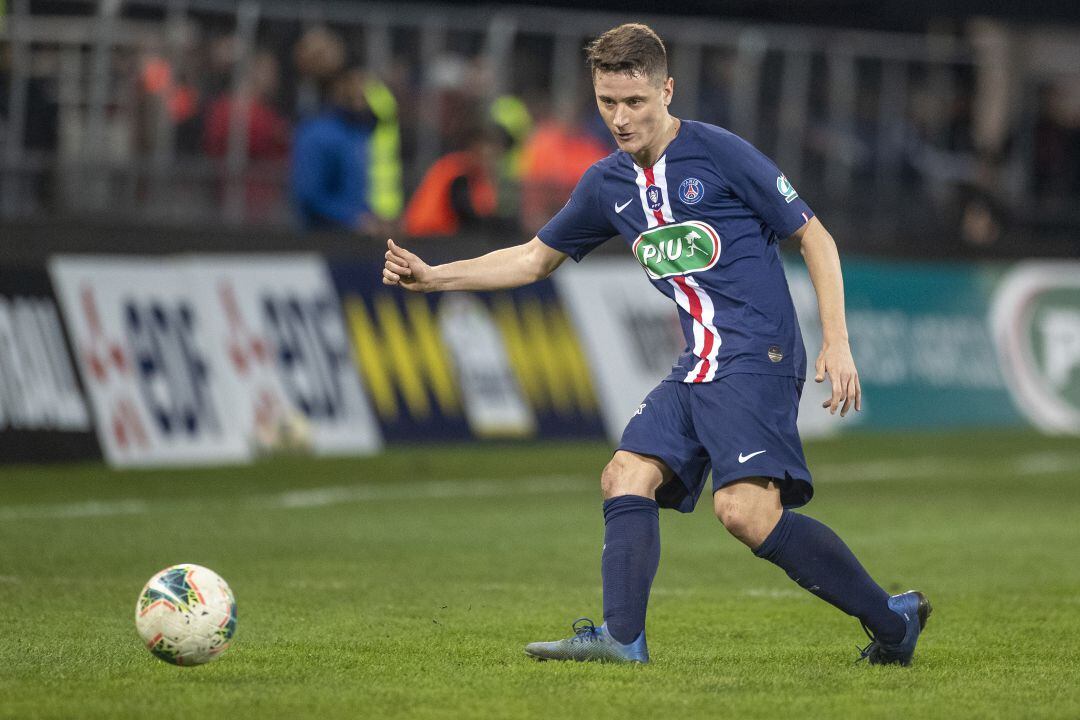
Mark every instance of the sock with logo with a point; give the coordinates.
(631, 556)
(817, 559)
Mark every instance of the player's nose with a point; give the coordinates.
(620, 120)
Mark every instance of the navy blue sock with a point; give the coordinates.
(631, 556)
(813, 556)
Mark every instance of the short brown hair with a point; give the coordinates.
(633, 49)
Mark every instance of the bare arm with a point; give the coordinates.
(506, 268)
(823, 262)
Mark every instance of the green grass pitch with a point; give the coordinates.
(405, 585)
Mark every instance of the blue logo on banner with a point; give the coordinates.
(654, 196)
(691, 191)
(173, 376)
(312, 353)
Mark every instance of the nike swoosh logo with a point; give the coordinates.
(619, 208)
(743, 458)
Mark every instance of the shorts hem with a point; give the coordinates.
(797, 489)
(692, 491)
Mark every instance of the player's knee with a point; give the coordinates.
(611, 479)
(734, 517)
(627, 476)
(750, 522)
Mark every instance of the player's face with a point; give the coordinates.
(635, 108)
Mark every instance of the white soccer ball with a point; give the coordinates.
(186, 615)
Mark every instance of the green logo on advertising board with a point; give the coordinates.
(1036, 319)
(680, 249)
(1055, 341)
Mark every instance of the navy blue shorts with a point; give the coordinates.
(740, 426)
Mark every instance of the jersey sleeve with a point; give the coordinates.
(580, 227)
(757, 181)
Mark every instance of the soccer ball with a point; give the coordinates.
(186, 615)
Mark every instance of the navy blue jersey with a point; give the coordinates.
(705, 223)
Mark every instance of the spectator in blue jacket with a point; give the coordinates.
(330, 165)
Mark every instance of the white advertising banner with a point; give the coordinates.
(209, 359)
(138, 331)
(632, 337)
(275, 328)
(494, 404)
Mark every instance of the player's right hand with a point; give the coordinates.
(405, 269)
(835, 360)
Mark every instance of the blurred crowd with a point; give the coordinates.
(298, 130)
(338, 147)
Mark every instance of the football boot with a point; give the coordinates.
(591, 643)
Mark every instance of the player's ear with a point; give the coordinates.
(668, 90)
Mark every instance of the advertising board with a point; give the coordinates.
(468, 365)
(44, 414)
(274, 328)
(920, 333)
(209, 359)
(139, 332)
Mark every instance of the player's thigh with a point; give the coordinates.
(662, 430)
(630, 473)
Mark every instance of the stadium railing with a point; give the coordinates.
(875, 123)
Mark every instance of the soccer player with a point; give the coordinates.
(704, 213)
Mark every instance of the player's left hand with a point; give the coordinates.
(836, 361)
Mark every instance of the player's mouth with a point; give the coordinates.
(624, 137)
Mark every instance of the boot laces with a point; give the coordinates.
(872, 649)
(584, 631)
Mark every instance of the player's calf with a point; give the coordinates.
(631, 541)
(818, 560)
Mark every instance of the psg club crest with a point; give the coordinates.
(691, 191)
(656, 200)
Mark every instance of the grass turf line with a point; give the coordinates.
(377, 604)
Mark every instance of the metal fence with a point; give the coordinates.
(878, 127)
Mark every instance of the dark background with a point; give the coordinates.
(909, 15)
(906, 15)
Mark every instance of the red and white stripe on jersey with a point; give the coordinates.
(690, 296)
(654, 176)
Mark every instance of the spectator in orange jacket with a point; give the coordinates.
(458, 192)
(553, 160)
